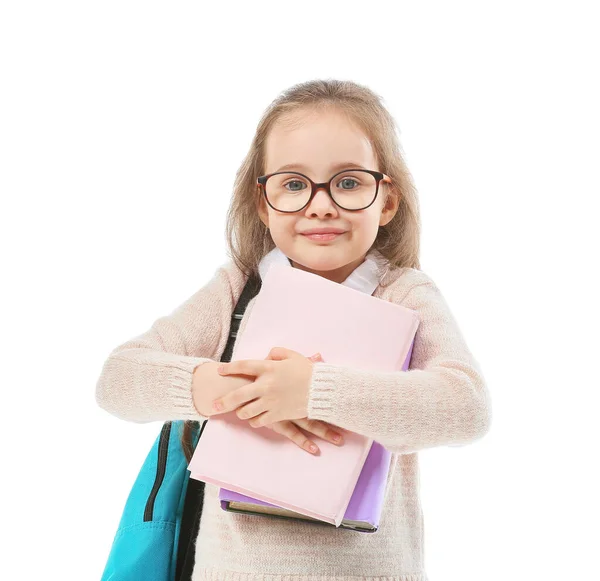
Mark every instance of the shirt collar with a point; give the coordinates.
(365, 277)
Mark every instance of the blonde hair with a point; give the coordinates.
(248, 238)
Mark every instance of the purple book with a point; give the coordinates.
(366, 504)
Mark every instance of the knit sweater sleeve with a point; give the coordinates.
(442, 398)
(149, 377)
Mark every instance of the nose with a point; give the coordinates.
(321, 204)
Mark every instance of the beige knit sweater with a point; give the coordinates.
(442, 400)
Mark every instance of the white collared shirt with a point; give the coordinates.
(365, 277)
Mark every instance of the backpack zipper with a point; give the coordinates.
(163, 448)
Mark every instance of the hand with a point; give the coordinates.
(290, 430)
(322, 429)
(279, 392)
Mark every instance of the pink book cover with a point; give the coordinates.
(309, 314)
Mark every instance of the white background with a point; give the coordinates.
(121, 127)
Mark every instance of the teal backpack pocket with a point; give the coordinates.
(145, 544)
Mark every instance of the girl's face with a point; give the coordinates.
(315, 148)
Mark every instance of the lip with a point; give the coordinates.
(322, 231)
(325, 236)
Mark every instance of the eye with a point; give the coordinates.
(294, 182)
(346, 181)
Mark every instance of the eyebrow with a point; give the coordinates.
(335, 166)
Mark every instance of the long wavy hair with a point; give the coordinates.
(248, 238)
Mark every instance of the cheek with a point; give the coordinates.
(364, 224)
(282, 229)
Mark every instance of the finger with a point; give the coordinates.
(251, 410)
(237, 398)
(253, 367)
(279, 353)
(320, 429)
(262, 420)
(289, 430)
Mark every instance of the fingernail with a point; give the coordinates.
(217, 406)
(337, 438)
(313, 448)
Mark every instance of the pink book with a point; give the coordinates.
(309, 314)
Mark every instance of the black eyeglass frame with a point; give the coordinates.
(379, 177)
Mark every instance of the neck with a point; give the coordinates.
(338, 275)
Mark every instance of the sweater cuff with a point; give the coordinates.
(142, 385)
(323, 393)
(179, 400)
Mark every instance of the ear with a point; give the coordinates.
(262, 211)
(390, 207)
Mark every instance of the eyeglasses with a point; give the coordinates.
(351, 189)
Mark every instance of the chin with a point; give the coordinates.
(315, 256)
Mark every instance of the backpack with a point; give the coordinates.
(156, 536)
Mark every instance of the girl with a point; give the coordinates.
(324, 188)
